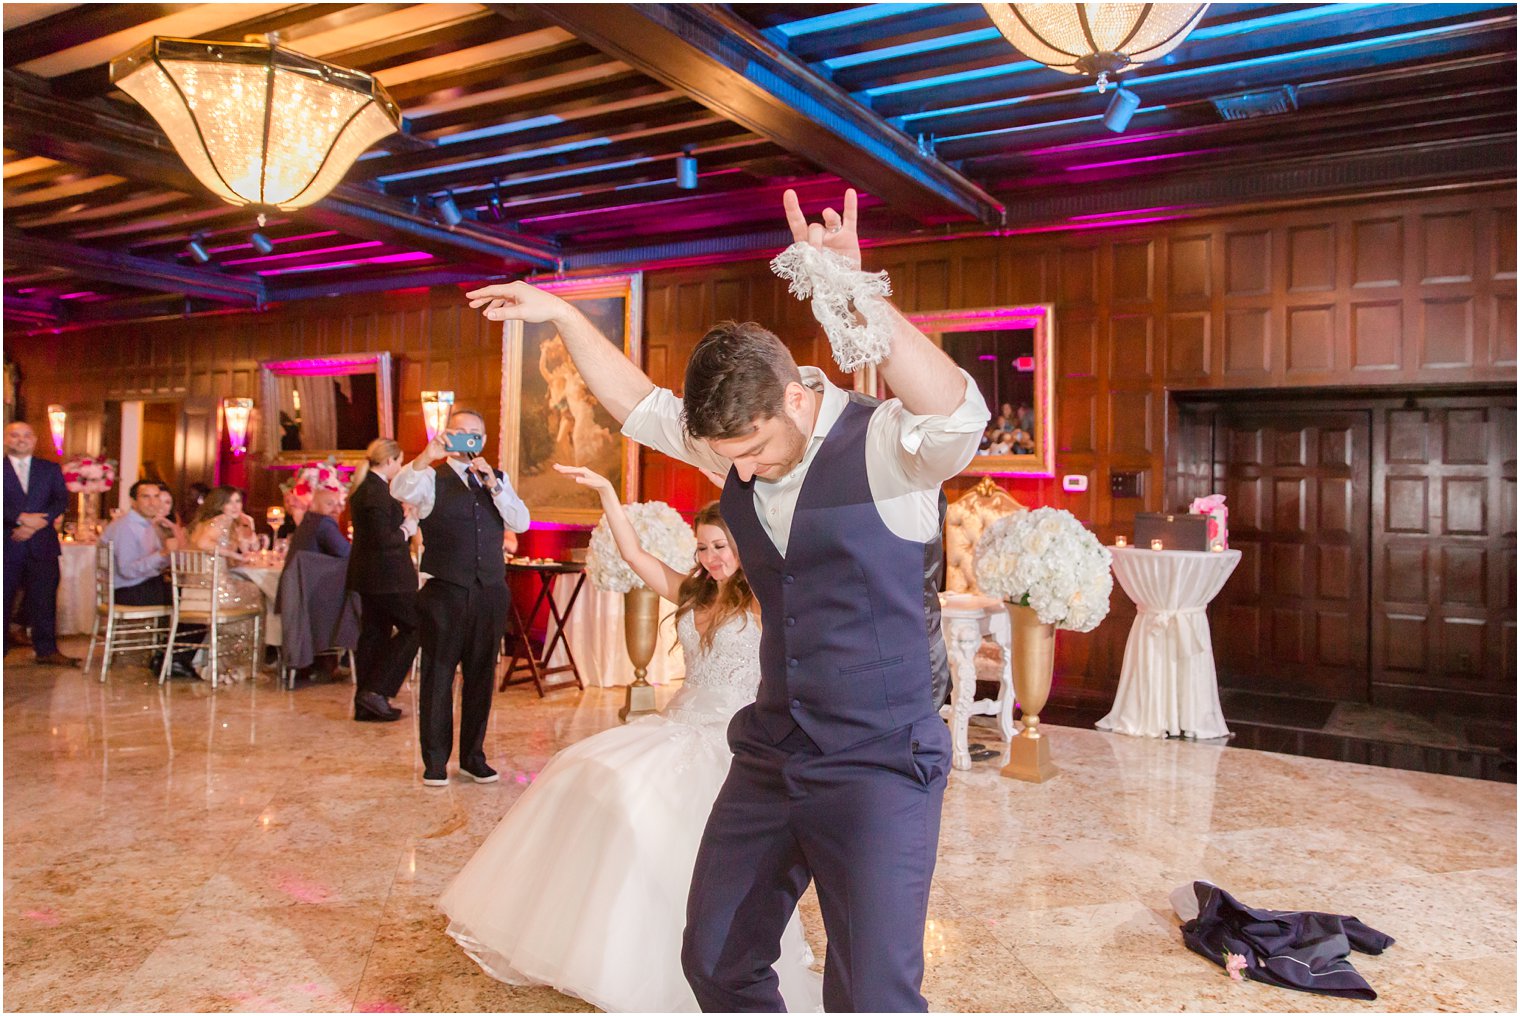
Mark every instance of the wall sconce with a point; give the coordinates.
(436, 407)
(235, 412)
(57, 417)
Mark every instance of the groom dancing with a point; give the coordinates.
(840, 764)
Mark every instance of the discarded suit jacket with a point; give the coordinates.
(1296, 949)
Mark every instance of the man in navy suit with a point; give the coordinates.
(34, 497)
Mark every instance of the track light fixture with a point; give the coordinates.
(448, 211)
(686, 171)
(261, 243)
(1120, 108)
(196, 248)
(495, 200)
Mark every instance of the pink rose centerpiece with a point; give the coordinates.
(88, 477)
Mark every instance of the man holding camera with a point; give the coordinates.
(465, 508)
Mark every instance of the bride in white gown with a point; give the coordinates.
(582, 885)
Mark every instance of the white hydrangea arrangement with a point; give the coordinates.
(661, 531)
(1047, 560)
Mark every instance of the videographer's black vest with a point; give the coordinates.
(462, 535)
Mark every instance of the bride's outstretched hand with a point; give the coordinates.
(516, 301)
(586, 478)
(836, 232)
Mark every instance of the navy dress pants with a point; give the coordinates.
(863, 823)
(35, 573)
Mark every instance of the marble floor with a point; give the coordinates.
(255, 849)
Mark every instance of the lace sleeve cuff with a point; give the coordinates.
(842, 296)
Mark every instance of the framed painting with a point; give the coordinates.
(1009, 353)
(548, 415)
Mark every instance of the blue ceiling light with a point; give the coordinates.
(448, 210)
(844, 19)
(1120, 108)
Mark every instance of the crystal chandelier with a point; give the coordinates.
(1097, 39)
(257, 124)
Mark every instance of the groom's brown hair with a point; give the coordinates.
(737, 374)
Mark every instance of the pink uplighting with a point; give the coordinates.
(301, 890)
(366, 245)
(384, 259)
(324, 365)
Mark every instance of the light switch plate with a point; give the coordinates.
(1076, 483)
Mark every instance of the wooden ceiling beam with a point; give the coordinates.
(130, 270)
(77, 26)
(723, 62)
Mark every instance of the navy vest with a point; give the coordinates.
(462, 535)
(850, 628)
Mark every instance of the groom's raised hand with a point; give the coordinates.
(517, 301)
(836, 232)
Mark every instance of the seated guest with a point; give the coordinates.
(319, 529)
(220, 527)
(142, 548)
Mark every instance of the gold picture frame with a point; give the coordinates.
(990, 343)
(548, 416)
(275, 426)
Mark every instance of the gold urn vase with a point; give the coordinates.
(641, 630)
(1034, 664)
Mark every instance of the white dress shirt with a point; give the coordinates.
(22, 464)
(416, 487)
(908, 456)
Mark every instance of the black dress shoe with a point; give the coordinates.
(57, 659)
(479, 772)
(371, 707)
(178, 669)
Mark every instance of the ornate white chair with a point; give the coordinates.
(970, 619)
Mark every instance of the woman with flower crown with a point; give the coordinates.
(582, 885)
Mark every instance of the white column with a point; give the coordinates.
(131, 451)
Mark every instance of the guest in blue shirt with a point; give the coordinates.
(142, 539)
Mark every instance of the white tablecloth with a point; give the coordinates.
(267, 578)
(1168, 684)
(595, 634)
(76, 589)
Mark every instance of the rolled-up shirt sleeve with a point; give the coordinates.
(513, 512)
(414, 487)
(926, 450)
(656, 423)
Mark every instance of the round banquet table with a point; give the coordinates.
(1168, 685)
(76, 588)
(595, 635)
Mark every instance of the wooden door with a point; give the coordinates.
(1294, 616)
(1443, 580)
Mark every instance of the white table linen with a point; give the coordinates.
(595, 634)
(267, 578)
(1168, 685)
(76, 588)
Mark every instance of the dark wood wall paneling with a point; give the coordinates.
(1395, 293)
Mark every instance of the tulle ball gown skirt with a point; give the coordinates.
(582, 886)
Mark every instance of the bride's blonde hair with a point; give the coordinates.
(699, 590)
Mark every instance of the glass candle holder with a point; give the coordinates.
(1155, 544)
(1217, 547)
(1120, 541)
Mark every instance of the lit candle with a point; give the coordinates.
(1155, 544)
(1217, 547)
(1120, 541)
